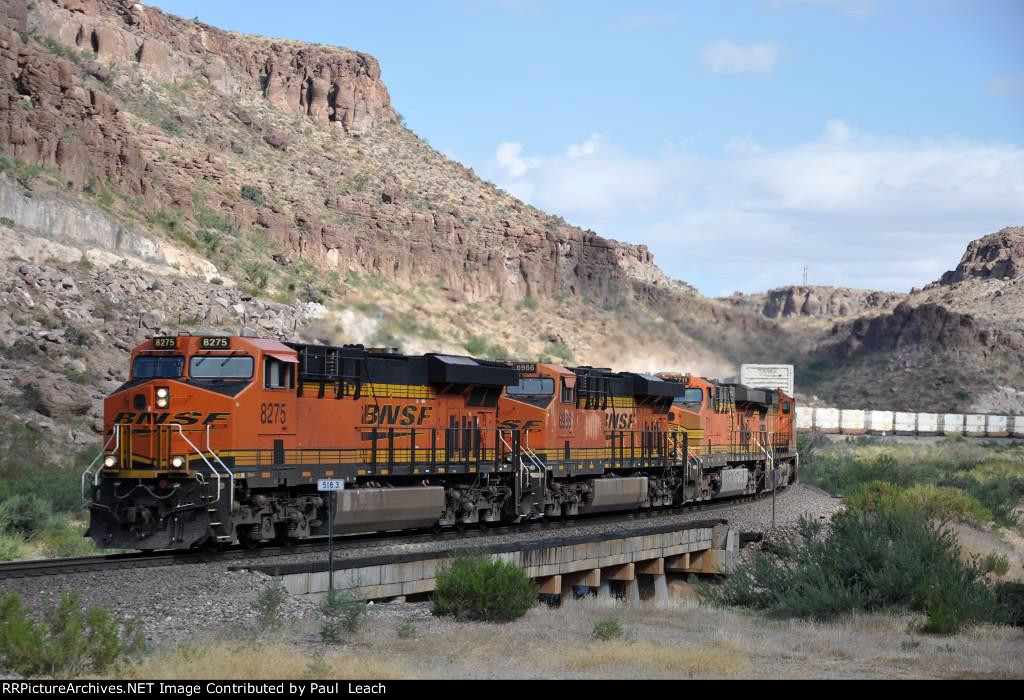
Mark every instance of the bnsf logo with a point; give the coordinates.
(395, 415)
(184, 418)
(618, 421)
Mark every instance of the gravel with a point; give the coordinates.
(193, 600)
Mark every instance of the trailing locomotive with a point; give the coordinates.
(218, 440)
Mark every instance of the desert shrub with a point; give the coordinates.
(560, 351)
(61, 538)
(12, 547)
(257, 273)
(1010, 595)
(887, 559)
(253, 194)
(25, 515)
(269, 602)
(406, 630)
(527, 304)
(941, 503)
(474, 587)
(343, 614)
(606, 628)
(69, 641)
(991, 475)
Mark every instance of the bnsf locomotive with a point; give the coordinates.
(218, 440)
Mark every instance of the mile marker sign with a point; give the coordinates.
(330, 484)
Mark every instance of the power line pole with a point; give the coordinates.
(805, 275)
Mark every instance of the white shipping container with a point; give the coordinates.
(880, 421)
(804, 417)
(974, 425)
(904, 423)
(768, 377)
(826, 420)
(851, 421)
(953, 424)
(927, 423)
(996, 426)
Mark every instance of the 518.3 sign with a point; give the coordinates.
(272, 413)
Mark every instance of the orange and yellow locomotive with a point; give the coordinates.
(221, 439)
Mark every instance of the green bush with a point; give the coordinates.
(606, 628)
(1011, 597)
(343, 614)
(269, 602)
(528, 304)
(887, 559)
(253, 194)
(941, 503)
(991, 475)
(25, 515)
(474, 587)
(12, 547)
(60, 538)
(68, 642)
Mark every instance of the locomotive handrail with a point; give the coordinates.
(115, 434)
(195, 449)
(231, 474)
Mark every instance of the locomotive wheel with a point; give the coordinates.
(282, 537)
(247, 540)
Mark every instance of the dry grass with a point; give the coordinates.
(252, 661)
(677, 640)
(625, 657)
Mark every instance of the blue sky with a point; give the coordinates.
(869, 140)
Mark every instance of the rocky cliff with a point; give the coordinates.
(998, 256)
(815, 302)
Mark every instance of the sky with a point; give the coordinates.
(868, 140)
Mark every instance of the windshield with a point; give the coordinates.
(220, 367)
(533, 386)
(690, 396)
(158, 367)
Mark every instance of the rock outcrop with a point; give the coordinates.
(815, 302)
(999, 256)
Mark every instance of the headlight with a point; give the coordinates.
(161, 403)
(162, 393)
(109, 461)
(177, 462)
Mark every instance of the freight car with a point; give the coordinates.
(218, 440)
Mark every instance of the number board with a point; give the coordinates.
(330, 484)
(525, 366)
(214, 343)
(164, 343)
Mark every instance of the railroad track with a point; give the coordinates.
(139, 560)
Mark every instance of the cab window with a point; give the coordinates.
(220, 367)
(785, 407)
(277, 374)
(692, 396)
(158, 367)
(533, 386)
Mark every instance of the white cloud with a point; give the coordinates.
(725, 56)
(860, 210)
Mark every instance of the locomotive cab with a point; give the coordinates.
(165, 475)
